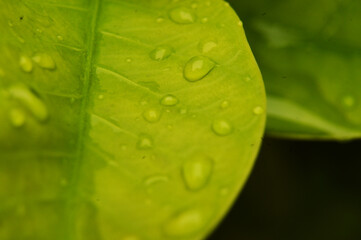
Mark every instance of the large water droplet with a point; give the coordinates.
(169, 101)
(222, 127)
(145, 142)
(152, 115)
(44, 61)
(185, 223)
(197, 171)
(17, 117)
(26, 64)
(161, 53)
(197, 68)
(182, 15)
(34, 104)
(207, 46)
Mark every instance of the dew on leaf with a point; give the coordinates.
(183, 111)
(17, 117)
(60, 38)
(169, 101)
(204, 20)
(128, 60)
(101, 97)
(44, 61)
(222, 127)
(184, 223)
(145, 142)
(197, 68)
(152, 115)
(197, 171)
(182, 15)
(258, 110)
(26, 64)
(29, 100)
(224, 104)
(155, 179)
(207, 46)
(161, 53)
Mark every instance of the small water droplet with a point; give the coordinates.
(169, 101)
(182, 15)
(258, 110)
(240, 23)
(224, 104)
(34, 104)
(183, 111)
(17, 117)
(152, 115)
(39, 30)
(160, 20)
(44, 61)
(128, 60)
(149, 181)
(348, 101)
(161, 53)
(197, 171)
(247, 79)
(222, 127)
(10, 23)
(26, 64)
(145, 142)
(184, 223)
(101, 97)
(60, 38)
(197, 68)
(204, 20)
(207, 46)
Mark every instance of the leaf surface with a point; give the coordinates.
(310, 55)
(123, 119)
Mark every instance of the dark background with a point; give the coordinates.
(299, 190)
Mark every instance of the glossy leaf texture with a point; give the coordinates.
(309, 53)
(124, 119)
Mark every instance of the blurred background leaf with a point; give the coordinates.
(309, 52)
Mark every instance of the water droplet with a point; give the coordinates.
(247, 79)
(207, 46)
(348, 101)
(128, 60)
(258, 110)
(10, 23)
(101, 97)
(152, 115)
(240, 23)
(26, 64)
(44, 61)
(155, 179)
(182, 15)
(34, 104)
(169, 101)
(197, 171)
(60, 38)
(145, 142)
(160, 20)
(39, 30)
(224, 104)
(204, 20)
(183, 111)
(222, 127)
(197, 68)
(17, 117)
(184, 223)
(161, 53)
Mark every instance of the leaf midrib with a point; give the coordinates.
(74, 179)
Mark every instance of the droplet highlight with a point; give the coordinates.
(258, 110)
(182, 15)
(161, 53)
(169, 101)
(197, 68)
(44, 61)
(152, 115)
(207, 46)
(222, 127)
(185, 223)
(26, 64)
(145, 142)
(197, 171)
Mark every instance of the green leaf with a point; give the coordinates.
(310, 56)
(123, 119)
